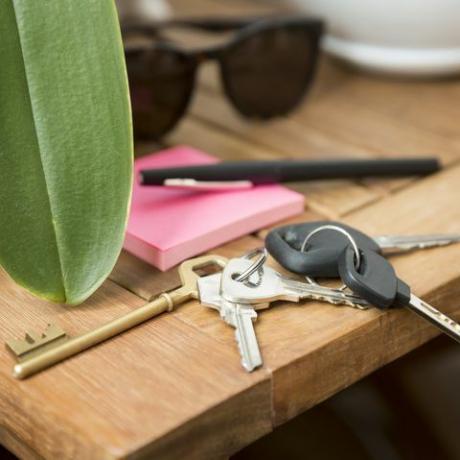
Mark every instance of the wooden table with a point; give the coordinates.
(173, 387)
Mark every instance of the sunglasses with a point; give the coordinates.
(266, 68)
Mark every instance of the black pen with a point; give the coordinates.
(244, 174)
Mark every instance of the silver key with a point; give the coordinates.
(435, 317)
(241, 316)
(273, 286)
(390, 244)
(238, 315)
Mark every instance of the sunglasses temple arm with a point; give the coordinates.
(217, 24)
(208, 24)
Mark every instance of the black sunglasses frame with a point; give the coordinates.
(244, 28)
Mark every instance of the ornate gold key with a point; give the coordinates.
(38, 352)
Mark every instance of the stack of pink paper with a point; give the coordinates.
(167, 226)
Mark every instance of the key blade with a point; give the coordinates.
(435, 317)
(324, 294)
(246, 337)
(276, 287)
(339, 298)
(394, 243)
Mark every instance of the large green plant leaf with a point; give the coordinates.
(65, 145)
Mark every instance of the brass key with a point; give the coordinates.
(38, 352)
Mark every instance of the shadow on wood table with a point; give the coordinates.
(407, 410)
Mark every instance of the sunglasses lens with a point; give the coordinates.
(267, 73)
(161, 82)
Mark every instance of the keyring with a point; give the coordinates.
(256, 266)
(337, 229)
(343, 232)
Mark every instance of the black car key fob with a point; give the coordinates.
(320, 257)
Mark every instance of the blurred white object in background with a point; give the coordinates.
(146, 10)
(405, 37)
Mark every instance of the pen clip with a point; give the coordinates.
(207, 186)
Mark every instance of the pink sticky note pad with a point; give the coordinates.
(167, 226)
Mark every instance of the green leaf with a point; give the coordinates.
(65, 145)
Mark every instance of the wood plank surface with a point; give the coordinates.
(333, 198)
(148, 282)
(141, 278)
(115, 400)
(316, 349)
(313, 350)
(173, 387)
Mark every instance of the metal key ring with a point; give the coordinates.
(256, 266)
(343, 232)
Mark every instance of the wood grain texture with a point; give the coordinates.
(148, 282)
(317, 349)
(173, 387)
(333, 198)
(313, 350)
(347, 114)
(118, 398)
(306, 216)
(141, 278)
